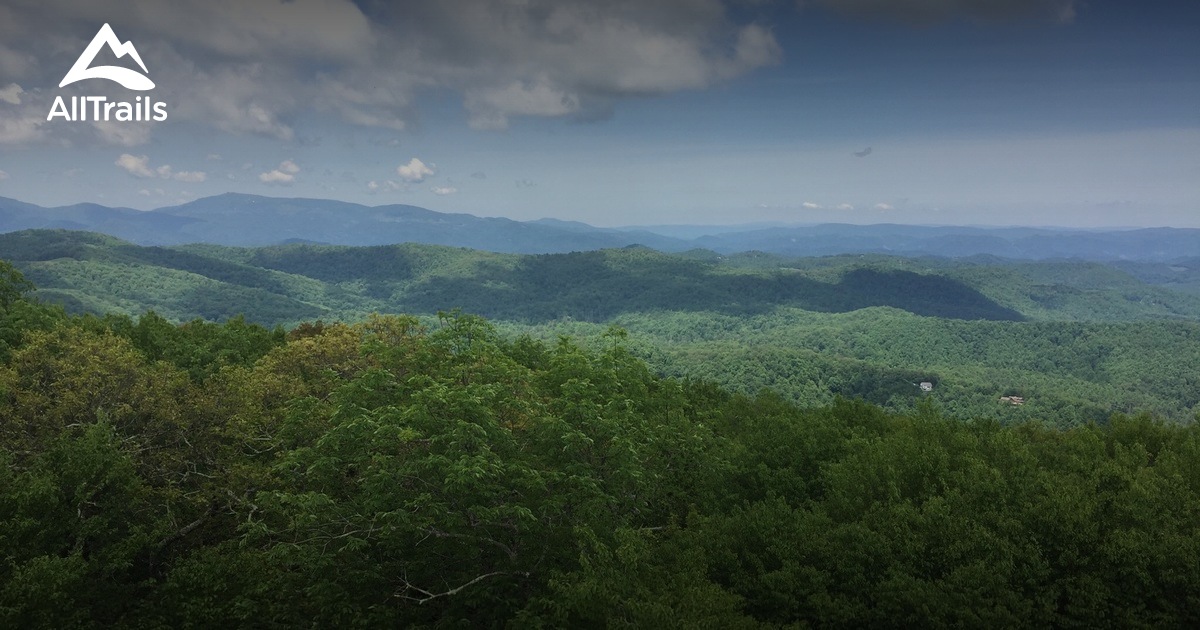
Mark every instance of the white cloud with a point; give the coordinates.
(415, 171)
(136, 166)
(11, 94)
(444, 190)
(387, 186)
(845, 206)
(285, 174)
(884, 207)
(3, 176)
(190, 176)
(808, 205)
(139, 166)
(276, 177)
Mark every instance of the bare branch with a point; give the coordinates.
(187, 529)
(408, 586)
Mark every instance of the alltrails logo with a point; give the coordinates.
(101, 109)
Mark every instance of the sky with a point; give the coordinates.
(625, 112)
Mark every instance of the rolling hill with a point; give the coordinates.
(290, 283)
(1077, 340)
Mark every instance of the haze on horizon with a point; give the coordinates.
(1028, 112)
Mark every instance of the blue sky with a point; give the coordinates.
(999, 112)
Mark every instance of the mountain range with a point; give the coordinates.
(249, 220)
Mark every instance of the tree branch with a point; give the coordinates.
(187, 529)
(454, 591)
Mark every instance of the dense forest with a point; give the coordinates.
(445, 471)
(288, 284)
(1077, 341)
(1066, 372)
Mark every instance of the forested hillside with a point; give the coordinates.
(387, 473)
(1076, 341)
(292, 283)
(98, 273)
(1066, 373)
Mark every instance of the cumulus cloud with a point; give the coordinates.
(844, 206)
(190, 176)
(808, 205)
(415, 171)
(883, 207)
(385, 186)
(285, 174)
(11, 94)
(136, 166)
(276, 177)
(257, 66)
(924, 11)
(444, 190)
(139, 166)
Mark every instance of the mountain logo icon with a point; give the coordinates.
(128, 78)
